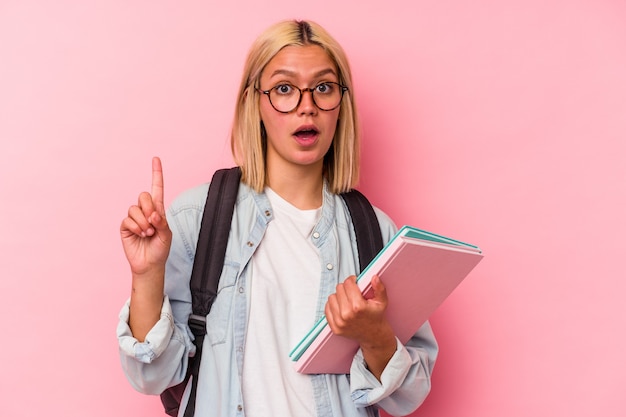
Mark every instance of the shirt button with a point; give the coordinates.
(316, 235)
(241, 290)
(329, 266)
(239, 407)
(250, 244)
(268, 213)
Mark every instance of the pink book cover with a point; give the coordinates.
(419, 270)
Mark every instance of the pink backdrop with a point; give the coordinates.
(499, 123)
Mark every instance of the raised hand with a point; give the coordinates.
(146, 236)
(146, 239)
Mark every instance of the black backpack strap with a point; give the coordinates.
(209, 261)
(369, 239)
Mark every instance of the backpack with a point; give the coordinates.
(207, 265)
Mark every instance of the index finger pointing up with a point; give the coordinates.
(157, 185)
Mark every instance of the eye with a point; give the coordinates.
(325, 88)
(284, 89)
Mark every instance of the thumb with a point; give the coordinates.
(162, 230)
(158, 221)
(380, 292)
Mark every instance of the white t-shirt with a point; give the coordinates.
(284, 290)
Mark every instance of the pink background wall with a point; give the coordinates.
(499, 123)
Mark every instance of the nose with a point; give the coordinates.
(307, 104)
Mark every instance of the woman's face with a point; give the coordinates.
(301, 138)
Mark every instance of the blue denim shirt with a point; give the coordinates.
(161, 360)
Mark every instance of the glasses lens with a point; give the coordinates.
(327, 95)
(284, 97)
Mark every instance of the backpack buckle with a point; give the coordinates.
(197, 324)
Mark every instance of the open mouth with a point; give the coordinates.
(306, 132)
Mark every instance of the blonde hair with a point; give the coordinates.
(248, 142)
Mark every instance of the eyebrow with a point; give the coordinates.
(294, 74)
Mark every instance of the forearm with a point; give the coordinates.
(379, 351)
(146, 300)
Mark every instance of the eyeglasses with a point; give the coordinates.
(286, 97)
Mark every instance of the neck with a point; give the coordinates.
(302, 187)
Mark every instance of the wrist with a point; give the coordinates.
(381, 337)
(146, 301)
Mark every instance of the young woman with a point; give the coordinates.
(291, 256)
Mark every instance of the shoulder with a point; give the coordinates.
(387, 226)
(192, 199)
(187, 209)
(184, 215)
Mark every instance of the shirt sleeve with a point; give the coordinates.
(405, 381)
(160, 361)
